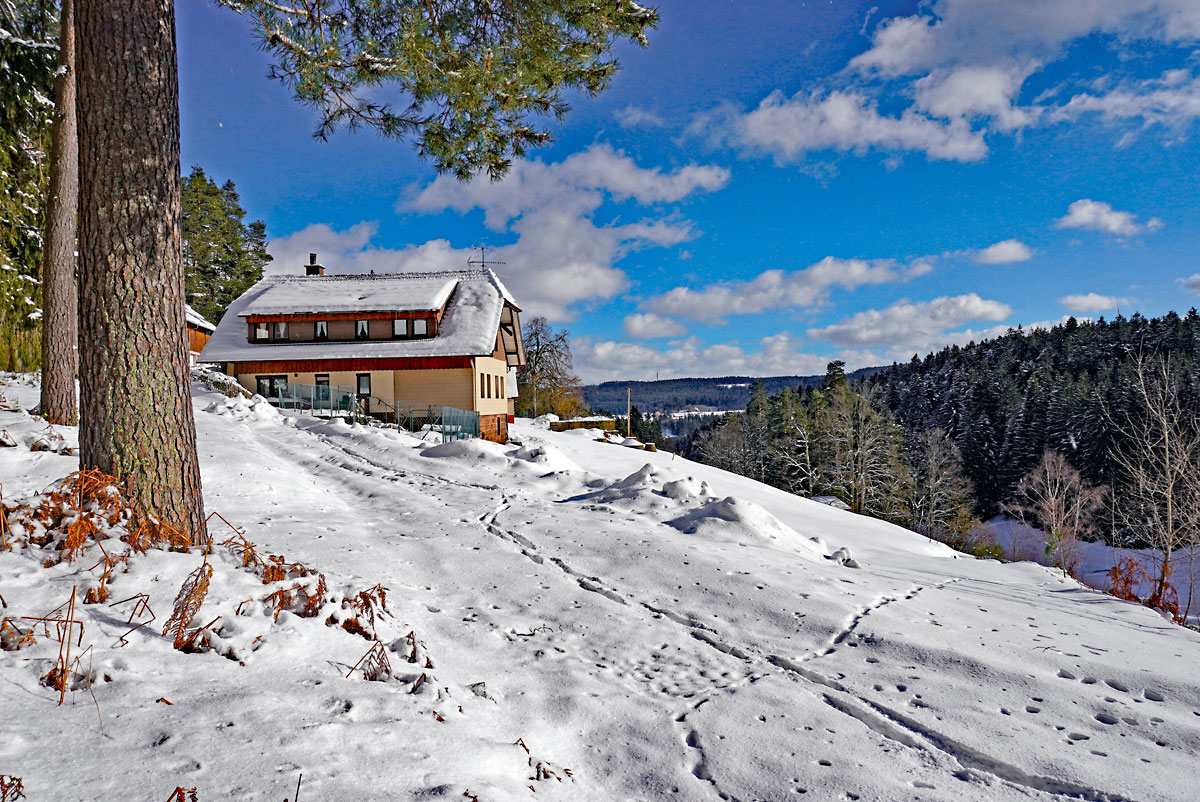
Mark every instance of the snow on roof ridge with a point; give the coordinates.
(196, 319)
(413, 274)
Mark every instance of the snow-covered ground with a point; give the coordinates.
(648, 627)
(1092, 562)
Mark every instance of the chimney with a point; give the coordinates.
(312, 268)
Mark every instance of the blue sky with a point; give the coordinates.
(771, 185)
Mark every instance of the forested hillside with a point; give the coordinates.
(1071, 389)
(1088, 430)
(670, 395)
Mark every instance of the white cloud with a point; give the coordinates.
(912, 326)
(789, 128)
(776, 355)
(648, 326)
(1099, 216)
(961, 66)
(351, 251)
(974, 91)
(638, 117)
(562, 256)
(1004, 252)
(1171, 100)
(777, 289)
(1003, 31)
(1191, 283)
(1091, 302)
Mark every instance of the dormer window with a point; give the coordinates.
(362, 330)
(322, 332)
(399, 328)
(420, 327)
(262, 331)
(281, 330)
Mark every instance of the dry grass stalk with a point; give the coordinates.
(12, 639)
(187, 604)
(108, 565)
(375, 665)
(312, 605)
(5, 530)
(11, 788)
(141, 608)
(57, 677)
(199, 640)
(272, 568)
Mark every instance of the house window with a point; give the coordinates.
(481, 386)
(281, 330)
(420, 327)
(322, 332)
(399, 328)
(321, 380)
(362, 329)
(262, 331)
(364, 385)
(274, 387)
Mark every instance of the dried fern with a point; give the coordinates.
(187, 604)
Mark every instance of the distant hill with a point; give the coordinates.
(672, 395)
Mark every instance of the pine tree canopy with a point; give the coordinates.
(222, 255)
(466, 76)
(28, 53)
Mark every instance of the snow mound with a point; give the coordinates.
(688, 504)
(544, 421)
(686, 488)
(734, 519)
(638, 489)
(482, 451)
(545, 457)
(496, 459)
(254, 408)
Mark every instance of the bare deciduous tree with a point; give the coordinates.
(1159, 466)
(547, 382)
(1056, 499)
(793, 446)
(941, 499)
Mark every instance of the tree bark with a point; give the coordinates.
(60, 298)
(137, 420)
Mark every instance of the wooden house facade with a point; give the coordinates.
(447, 338)
(200, 331)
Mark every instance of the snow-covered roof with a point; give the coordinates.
(194, 318)
(393, 292)
(476, 299)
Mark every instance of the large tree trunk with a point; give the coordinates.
(136, 404)
(60, 300)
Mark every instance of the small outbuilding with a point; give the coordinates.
(199, 333)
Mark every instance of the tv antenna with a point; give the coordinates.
(482, 261)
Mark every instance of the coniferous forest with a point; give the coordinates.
(1101, 419)
(1072, 389)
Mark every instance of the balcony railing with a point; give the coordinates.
(329, 401)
